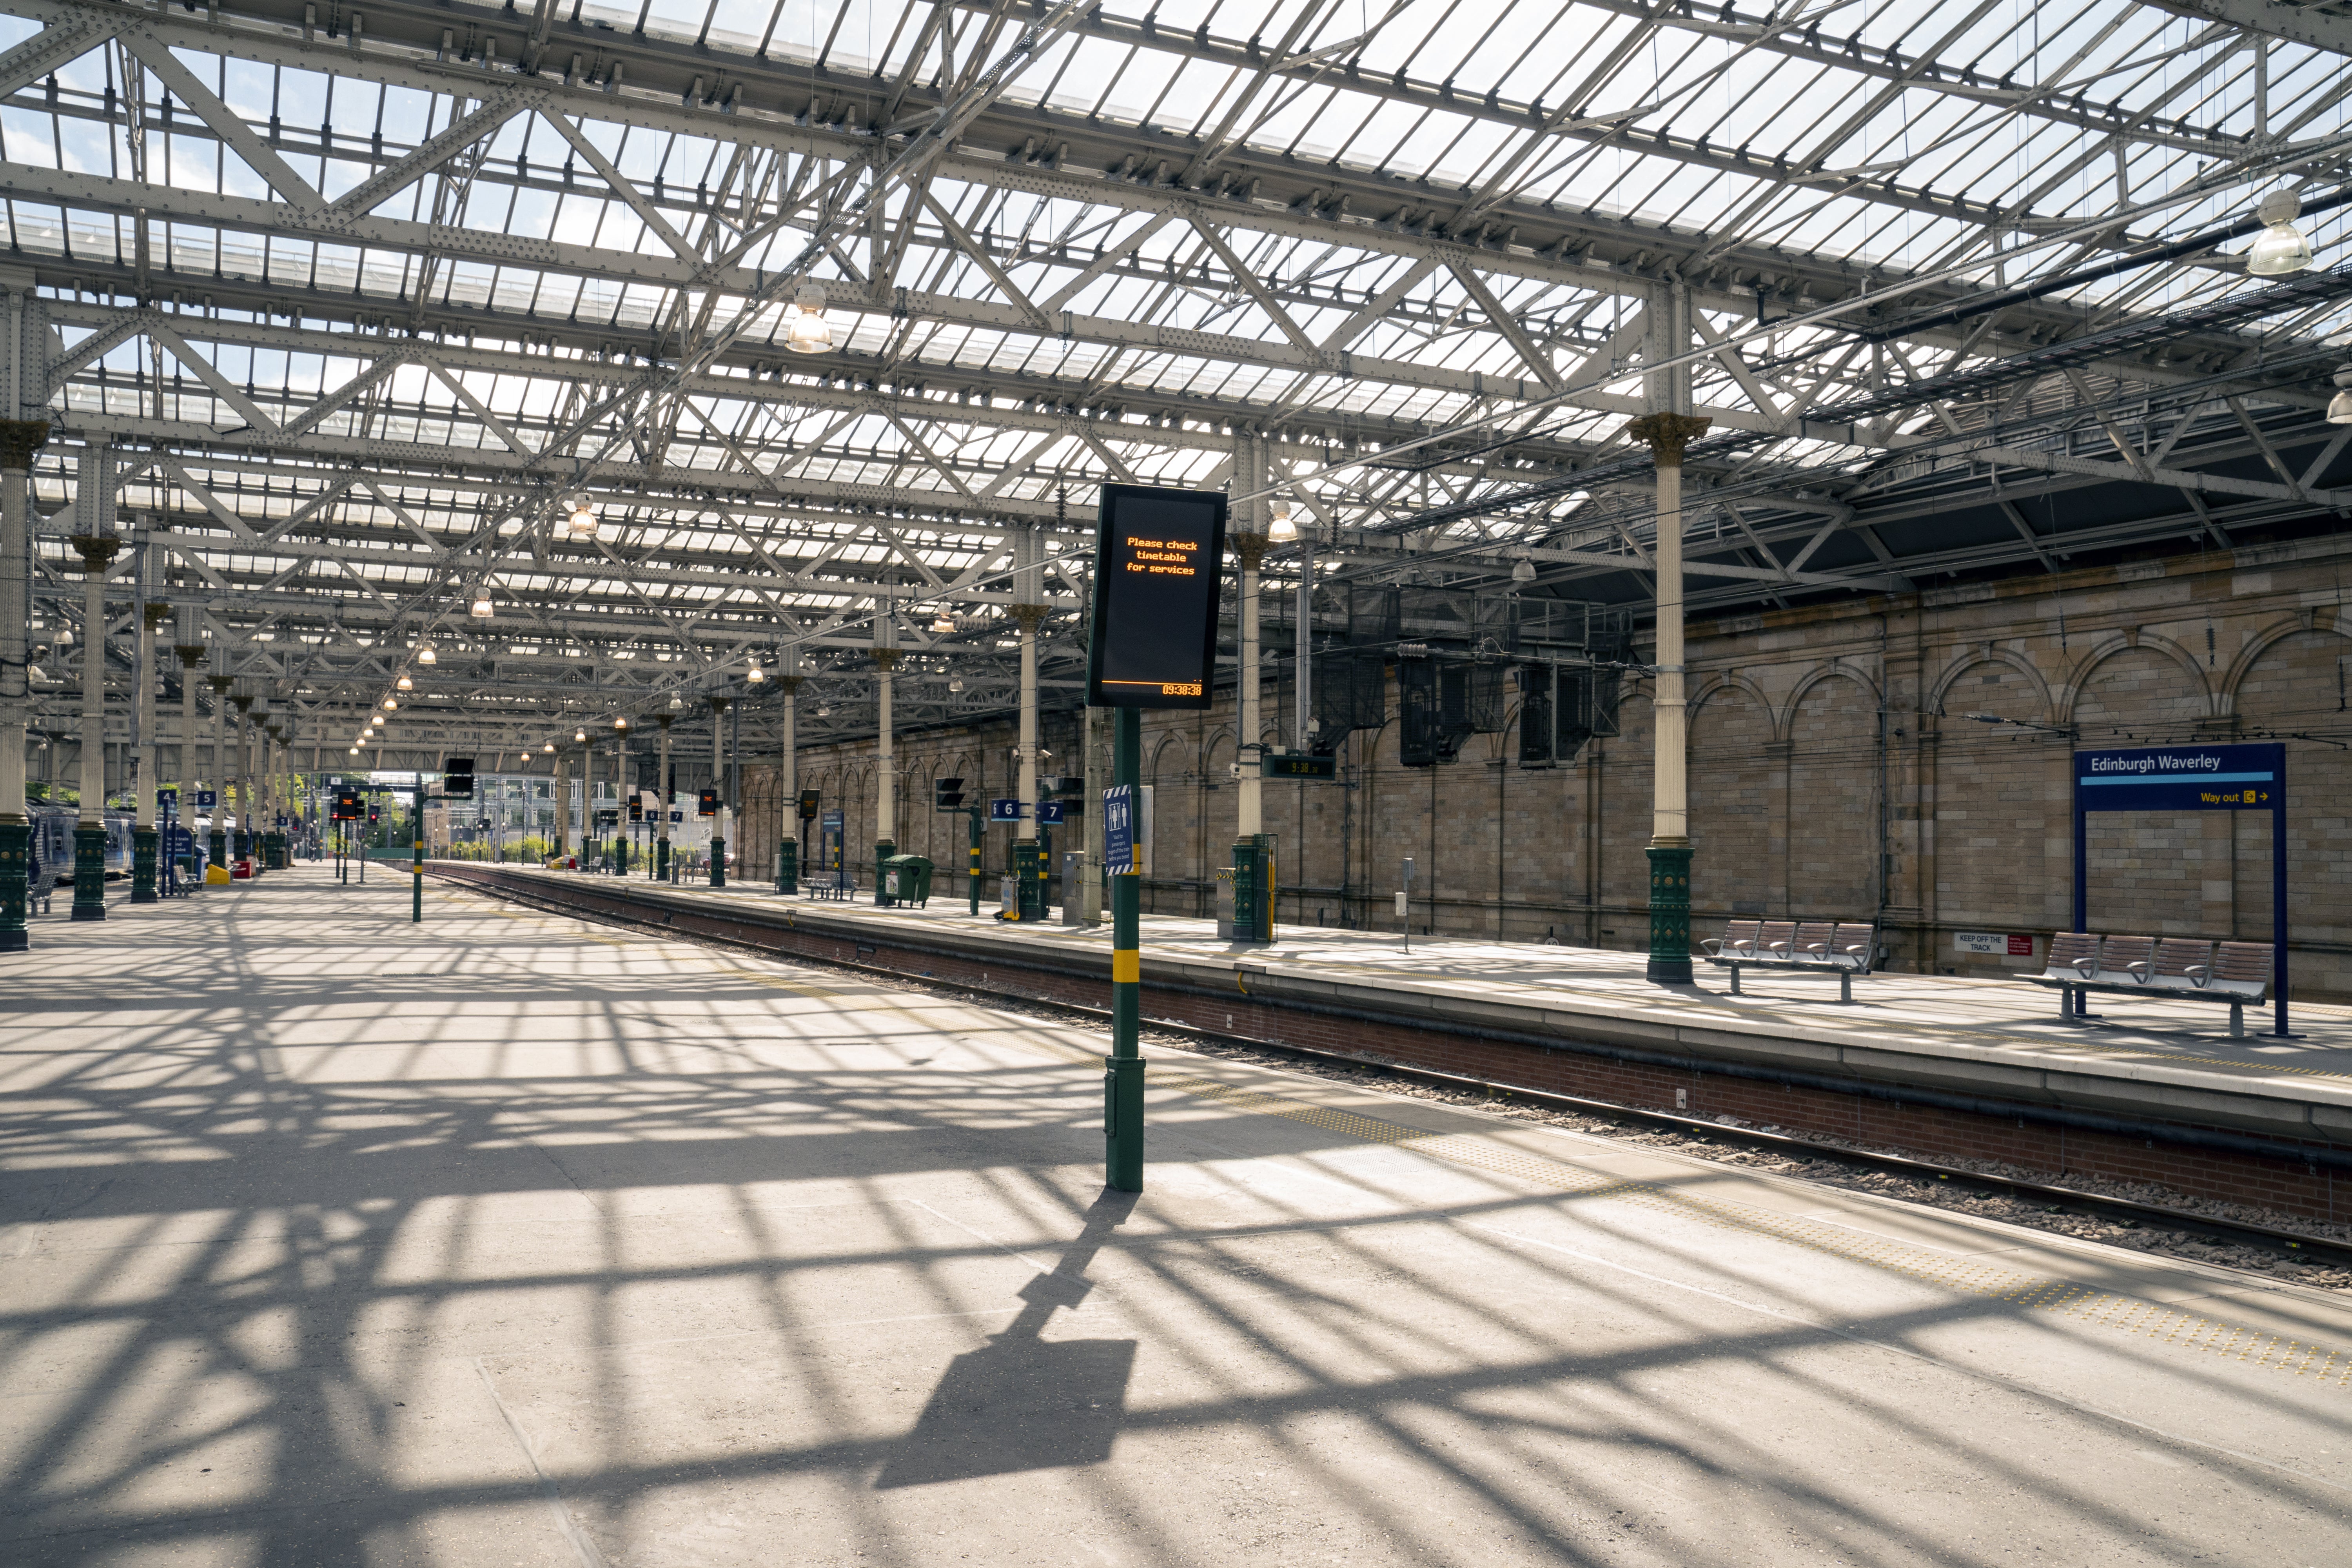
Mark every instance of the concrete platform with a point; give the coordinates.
(515, 1239)
(2153, 1060)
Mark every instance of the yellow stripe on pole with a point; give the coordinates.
(1126, 967)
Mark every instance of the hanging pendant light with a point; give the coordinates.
(582, 521)
(1283, 531)
(549, 747)
(2339, 407)
(424, 654)
(755, 674)
(404, 684)
(2280, 250)
(675, 701)
(390, 705)
(620, 721)
(809, 333)
(483, 609)
(580, 737)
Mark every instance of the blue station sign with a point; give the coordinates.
(1004, 810)
(2181, 778)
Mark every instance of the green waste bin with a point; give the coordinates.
(906, 879)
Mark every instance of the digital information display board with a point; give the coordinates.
(1159, 554)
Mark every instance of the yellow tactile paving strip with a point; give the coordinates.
(2083, 1303)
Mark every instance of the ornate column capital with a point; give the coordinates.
(191, 654)
(19, 440)
(156, 615)
(718, 703)
(885, 659)
(1666, 434)
(1029, 615)
(664, 720)
(1250, 547)
(97, 550)
(219, 683)
(789, 685)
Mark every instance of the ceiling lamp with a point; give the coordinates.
(620, 721)
(581, 736)
(809, 334)
(824, 710)
(404, 684)
(582, 521)
(1523, 571)
(1283, 531)
(376, 721)
(2339, 407)
(355, 751)
(2279, 250)
(675, 701)
(957, 684)
(390, 704)
(943, 623)
(755, 675)
(424, 654)
(483, 608)
(549, 747)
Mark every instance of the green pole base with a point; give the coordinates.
(1670, 905)
(661, 859)
(788, 866)
(1252, 889)
(1029, 885)
(1123, 1123)
(15, 870)
(142, 866)
(883, 849)
(89, 874)
(718, 861)
(219, 846)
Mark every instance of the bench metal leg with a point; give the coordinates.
(2065, 1004)
(2237, 1020)
(1735, 979)
(1845, 984)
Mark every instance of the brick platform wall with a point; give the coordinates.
(1830, 747)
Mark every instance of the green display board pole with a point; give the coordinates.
(979, 841)
(1123, 1074)
(416, 858)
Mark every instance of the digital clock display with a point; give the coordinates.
(1159, 554)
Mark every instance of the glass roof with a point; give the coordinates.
(360, 314)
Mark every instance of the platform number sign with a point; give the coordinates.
(1158, 555)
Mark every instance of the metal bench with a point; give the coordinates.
(2235, 973)
(1822, 947)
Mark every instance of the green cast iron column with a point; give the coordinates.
(15, 852)
(19, 440)
(717, 761)
(1123, 1068)
(1666, 435)
(89, 838)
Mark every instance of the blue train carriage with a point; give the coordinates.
(53, 844)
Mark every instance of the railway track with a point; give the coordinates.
(2047, 1197)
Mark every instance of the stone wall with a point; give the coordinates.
(1830, 749)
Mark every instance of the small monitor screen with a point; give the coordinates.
(1158, 557)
